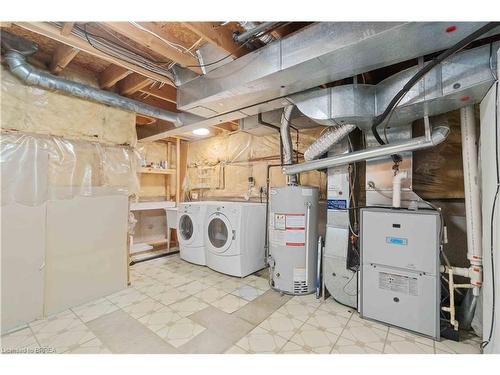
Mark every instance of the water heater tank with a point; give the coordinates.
(293, 215)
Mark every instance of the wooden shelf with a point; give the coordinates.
(157, 170)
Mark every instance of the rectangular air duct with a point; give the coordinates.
(321, 53)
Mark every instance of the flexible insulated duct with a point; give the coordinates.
(32, 76)
(439, 134)
(327, 140)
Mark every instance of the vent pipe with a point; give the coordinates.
(439, 134)
(15, 58)
(286, 140)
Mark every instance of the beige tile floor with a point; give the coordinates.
(176, 307)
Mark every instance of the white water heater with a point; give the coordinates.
(293, 236)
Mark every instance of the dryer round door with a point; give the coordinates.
(219, 233)
(186, 228)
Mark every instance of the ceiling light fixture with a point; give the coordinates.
(201, 131)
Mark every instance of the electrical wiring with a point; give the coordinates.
(112, 49)
(426, 69)
(231, 54)
(176, 46)
(221, 59)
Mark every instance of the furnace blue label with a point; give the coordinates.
(337, 204)
(397, 241)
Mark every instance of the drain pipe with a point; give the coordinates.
(16, 61)
(473, 220)
(471, 189)
(286, 139)
(439, 134)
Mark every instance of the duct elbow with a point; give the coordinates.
(18, 66)
(439, 134)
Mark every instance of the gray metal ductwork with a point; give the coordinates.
(463, 79)
(16, 61)
(439, 134)
(320, 53)
(327, 140)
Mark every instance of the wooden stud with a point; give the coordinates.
(154, 43)
(54, 32)
(178, 170)
(165, 92)
(66, 28)
(217, 35)
(167, 180)
(62, 57)
(111, 75)
(133, 83)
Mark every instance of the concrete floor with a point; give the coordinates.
(176, 307)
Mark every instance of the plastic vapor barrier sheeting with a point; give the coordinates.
(37, 168)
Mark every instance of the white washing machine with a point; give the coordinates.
(190, 231)
(234, 237)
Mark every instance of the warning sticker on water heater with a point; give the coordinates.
(398, 283)
(295, 237)
(295, 221)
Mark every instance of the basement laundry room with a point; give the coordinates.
(239, 188)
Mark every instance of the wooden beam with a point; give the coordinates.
(165, 92)
(154, 43)
(54, 32)
(144, 120)
(5, 24)
(178, 171)
(155, 102)
(62, 57)
(111, 75)
(66, 28)
(133, 83)
(229, 126)
(217, 35)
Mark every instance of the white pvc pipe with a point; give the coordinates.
(396, 188)
(471, 186)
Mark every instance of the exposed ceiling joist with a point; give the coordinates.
(155, 102)
(133, 83)
(144, 120)
(67, 27)
(154, 43)
(111, 75)
(54, 32)
(229, 126)
(217, 35)
(165, 92)
(62, 57)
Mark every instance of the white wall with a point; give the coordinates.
(488, 143)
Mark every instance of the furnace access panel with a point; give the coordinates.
(400, 268)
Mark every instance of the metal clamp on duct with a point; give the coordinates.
(16, 51)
